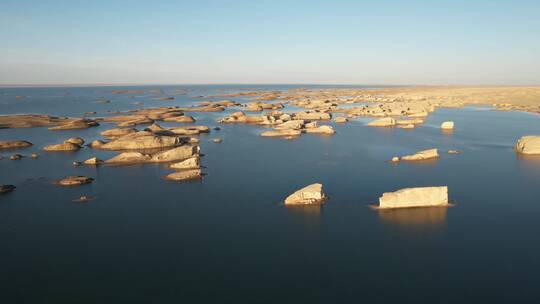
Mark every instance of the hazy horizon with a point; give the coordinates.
(62, 43)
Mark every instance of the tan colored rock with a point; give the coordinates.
(341, 119)
(185, 175)
(75, 140)
(75, 181)
(137, 141)
(327, 130)
(190, 163)
(281, 133)
(395, 159)
(529, 144)
(129, 158)
(312, 194)
(311, 125)
(15, 157)
(96, 143)
(422, 155)
(415, 197)
(175, 154)
(183, 118)
(14, 144)
(312, 115)
(75, 125)
(383, 122)
(93, 161)
(291, 124)
(447, 125)
(217, 140)
(62, 147)
(117, 132)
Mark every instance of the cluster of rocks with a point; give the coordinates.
(70, 144)
(418, 156)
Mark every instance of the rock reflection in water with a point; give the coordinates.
(415, 217)
(309, 214)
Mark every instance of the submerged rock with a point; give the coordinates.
(281, 133)
(75, 181)
(34, 155)
(14, 144)
(67, 146)
(528, 144)
(447, 125)
(312, 194)
(422, 155)
(184, 175)
(415, 197)
(453, 152)
(6, 188)
(15, 157)
(83, 199)
(383, 122)
(217, 140)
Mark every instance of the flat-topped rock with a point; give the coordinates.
(383, 122)
(529, 144)
(184, 175)
(75, 125)
(129, 158)
(312, 115)
(175, 154)
(415, 197)
(14, 144)
(422, 155)
(341, 119)
(281, 133)
(137, 141)
(183, 118)
(312, 194)
(327, 130)
(117, 132)
(74, 181)
(67, 146)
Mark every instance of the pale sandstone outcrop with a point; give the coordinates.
(281, 133)
(415, 197)
(341, 119)
(175, 154)
(75, 140)
(62, 147)
(190, 163)
(184, 175)
(291, 124)
(327, 130)
(93, 161)
(447, 125)
(75, 125)
(529, 144)
(312, 194)
(183, 118)
(422, 155)
(141, 140)
(129, 158)
(312, 115)
(74, 181)
(117, 132)
(383, 122)
(96, 143)
(13, 144)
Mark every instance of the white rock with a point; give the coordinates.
(312, 194)
(447, 125)
(415, 197)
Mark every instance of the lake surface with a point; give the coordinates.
(229, 239)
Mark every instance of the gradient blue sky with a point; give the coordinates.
(349, 42)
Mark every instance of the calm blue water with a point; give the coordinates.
(228, 238)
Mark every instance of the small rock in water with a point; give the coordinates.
(75, 181)
(93, 161)
(312, 194)
(453, 152)
(75, 140)
(217, 140)
(395, 159)
(76, 163)
(447, 125)
(422, 155)
(217, 128)
(15, 157)
(184, 175)
(34, 155)
(67, 146)
(6, 188)
(83, 199)
(415, 197)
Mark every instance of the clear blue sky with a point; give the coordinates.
(350, 42)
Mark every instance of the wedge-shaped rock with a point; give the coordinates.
(281, 133)
(75, 140)
(175, 154)
(312, 194)
(75, 181)
(422, 155)
(67, 146)
(129, 158)
(137, 141)
(118, 132)
(184, 175)
(529, 144)
(75, 125)
(93, 161)
(190, 163)
(14, 144)
(383, 122)
(415, 197)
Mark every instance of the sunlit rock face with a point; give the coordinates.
(312, 194)
(422, 155)
(528, 144)
(447, 125)
(415, 197)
